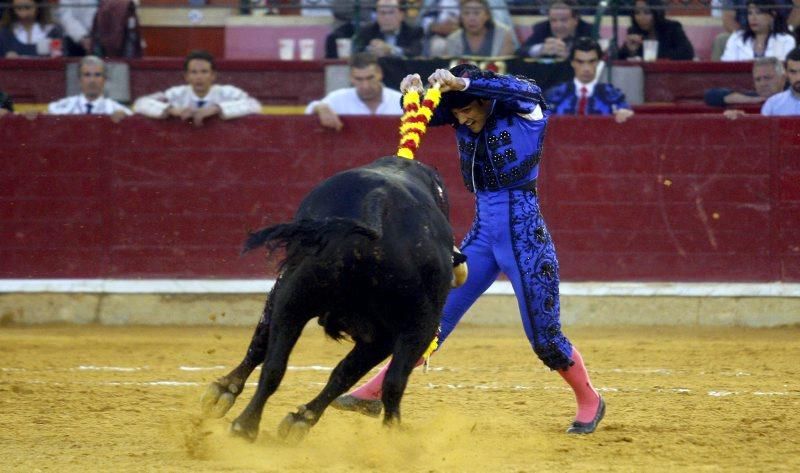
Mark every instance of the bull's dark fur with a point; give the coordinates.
(369, 252)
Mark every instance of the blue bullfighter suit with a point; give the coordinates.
(500, 165)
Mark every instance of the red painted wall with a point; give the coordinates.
(697, 198)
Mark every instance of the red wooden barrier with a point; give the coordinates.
(698, 198)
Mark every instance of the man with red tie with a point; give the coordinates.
(584, 95)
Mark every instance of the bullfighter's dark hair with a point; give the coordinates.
(455, 100)
(585, 44)
(201, 54)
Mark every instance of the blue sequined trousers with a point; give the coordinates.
(509, 235)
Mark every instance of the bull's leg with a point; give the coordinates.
(282, 339)
(408, 349)
(222, 393)
(362, 358)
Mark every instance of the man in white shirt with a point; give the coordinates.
(368, 96)
(92, 79)
(201, 98)
(786, 103)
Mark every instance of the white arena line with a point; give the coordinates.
(261, 286)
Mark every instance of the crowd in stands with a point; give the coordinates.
(763, 31)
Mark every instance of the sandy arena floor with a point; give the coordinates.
(93, 398)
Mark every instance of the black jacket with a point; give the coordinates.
(409, 39)
(672, 42)
(542, 31)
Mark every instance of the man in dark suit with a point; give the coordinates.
(390, 35)
(585, 95)
(553, 38)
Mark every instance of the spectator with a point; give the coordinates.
(479, 35)
(6, 104)
(26, 30)
(766, 34)
(201, 98)
(115, 30)
(368, 96)
(585, 95)
(553, 37)
(788, 101)
(768, 80)
(91, 101)
(76, 17)
(734, 13)
(389, 35)
(344, 24)
(440, 18)
(648, 21)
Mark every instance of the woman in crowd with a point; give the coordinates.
(648, 21)
(479, 35)
(766, 35)
(26, 30)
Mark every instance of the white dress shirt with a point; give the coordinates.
(347, 102)
(233, 101)
(589, 87)
(737, 49)
(80, 105)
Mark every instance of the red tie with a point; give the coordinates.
(582, 101)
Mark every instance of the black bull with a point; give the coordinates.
(369, 252)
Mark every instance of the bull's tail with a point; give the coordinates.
(309, 235)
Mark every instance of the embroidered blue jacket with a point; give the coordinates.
(513, 134)
(563, 99)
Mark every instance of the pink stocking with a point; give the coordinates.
(578, 379)
(373, 388)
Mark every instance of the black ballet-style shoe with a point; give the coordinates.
(589, 427)
(368, 407)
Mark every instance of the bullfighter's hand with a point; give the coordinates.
(202, 113)
(447, 81)
(411, 82)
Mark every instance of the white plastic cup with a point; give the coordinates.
(306, 49)
(286, 49)
(43, 47)
(650, 50)
(343, 47)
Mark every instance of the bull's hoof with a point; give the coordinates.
(243, 429)
(295, 426)
(217, 400)
(392, 422)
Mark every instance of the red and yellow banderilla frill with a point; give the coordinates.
(414, 121)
